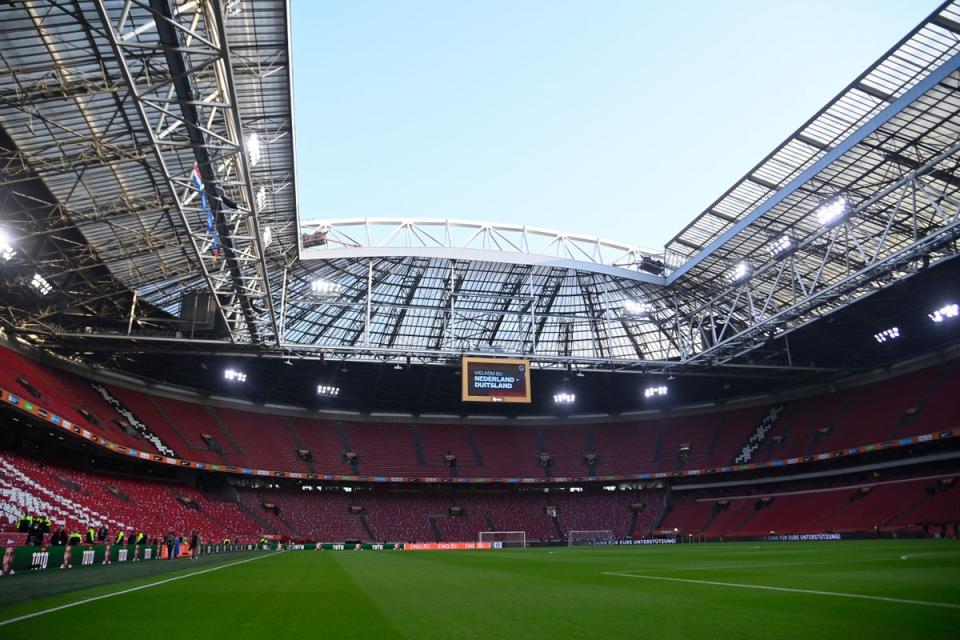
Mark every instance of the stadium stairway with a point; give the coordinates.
(648, 520)
(477, 458)
(217, 420)
(940, 504)
(746, 519)
(173, 423)
(830, 425)
(723, 521)
(588, 434)
(541, 450)
(268, 527)
(659, 515)
(661, 431)
(557, 527)
(756, 439)
(366, 527)
(177, 493)
(298, 442)
(566, 445)
(417, 445)
(434, 528)
(941, 410)
(913, 506)
(345, 438)
(909, 417)
(829, 515)
(251, 503)
(778, 438)
(95, 408)
(135, 422)
(715, 438)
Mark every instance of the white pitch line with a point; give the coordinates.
(932, 554)
(130, 590)
(859, 596)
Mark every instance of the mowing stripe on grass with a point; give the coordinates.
(837, 594)
(130, 590)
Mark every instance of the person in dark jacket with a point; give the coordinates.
(59, 537)
(35, 535)
(195, 545)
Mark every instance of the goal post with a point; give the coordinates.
(505, 538)
(590, 538)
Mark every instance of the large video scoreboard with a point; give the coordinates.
(495, 380)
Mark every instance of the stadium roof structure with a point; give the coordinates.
(106, 108)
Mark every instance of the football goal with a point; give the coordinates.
(505, 538)
(589, 538)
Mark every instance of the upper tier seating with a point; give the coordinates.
(914, 403)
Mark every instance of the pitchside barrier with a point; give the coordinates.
(347, 546)
(20, 559)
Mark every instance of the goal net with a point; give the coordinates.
(505, 538)
(590, 538)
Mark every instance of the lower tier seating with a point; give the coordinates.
(895, 505)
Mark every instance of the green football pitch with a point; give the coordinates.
(871, 589)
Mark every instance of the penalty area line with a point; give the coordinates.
(760, 587)
(130, 590)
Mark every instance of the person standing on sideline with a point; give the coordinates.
(195, 545)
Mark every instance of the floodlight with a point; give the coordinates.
(40, 284)
(261, 199)
(564, 398)
(781, 246)
(944, 313)
(833, 212)
(233, 7)
(328, 391)
(740, 272)
(267, 235)
(6, 248)
(253, 149)
(654, 392)
(325, 288)
(887, 334)
(234, 376)
(637, 307)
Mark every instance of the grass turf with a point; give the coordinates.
(558, 593)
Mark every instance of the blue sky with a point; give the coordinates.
(622, 119)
